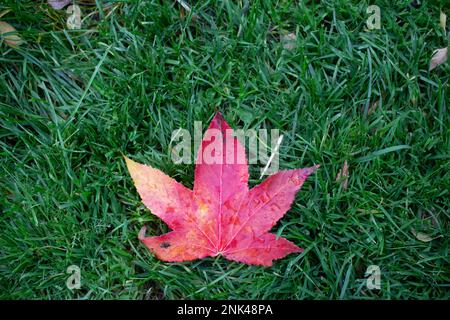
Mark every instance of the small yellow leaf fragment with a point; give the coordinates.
(9, 35)
(421, 236)
(443, 20)
(4, 12)
(439, 57)
(343, 175)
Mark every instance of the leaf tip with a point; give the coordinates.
(218, 117)
(134, 168)
(311, 170)
(130, 163)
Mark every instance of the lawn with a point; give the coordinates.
(73, 102)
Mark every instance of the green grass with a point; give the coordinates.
(72, 102)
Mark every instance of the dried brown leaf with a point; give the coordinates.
(343, 176)
(439, 57)
(10, 35)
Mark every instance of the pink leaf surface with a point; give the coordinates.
(220, 215)
(59, 4)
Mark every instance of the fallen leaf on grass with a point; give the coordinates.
(439, 57)
(220, 215)
(59, 4)
(10, 34)
(343, 176)
(421, 236)
(443, 20)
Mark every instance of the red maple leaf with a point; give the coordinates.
(220, 215)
